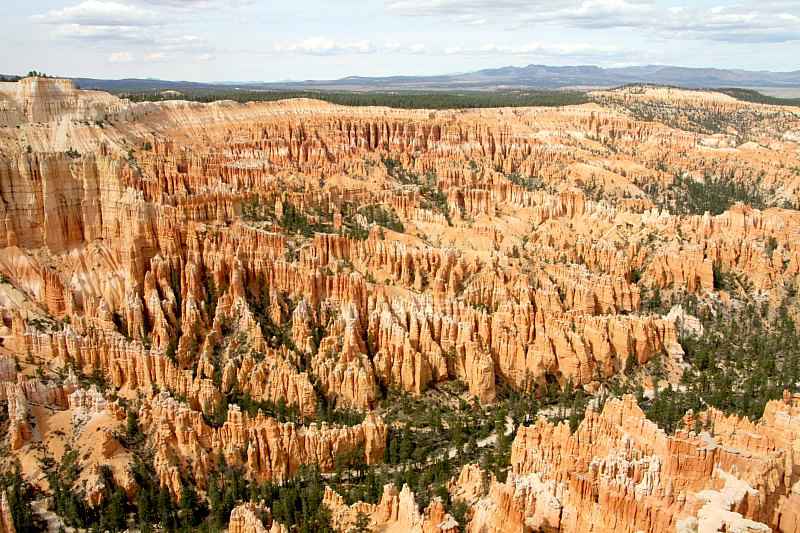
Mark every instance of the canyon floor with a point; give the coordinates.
(299, 316)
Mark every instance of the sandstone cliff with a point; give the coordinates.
(305, 259)
(620, 472)
(396, 512)
(247, 518)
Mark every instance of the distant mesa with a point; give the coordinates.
(504, 78)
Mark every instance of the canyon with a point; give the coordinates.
(208, 288)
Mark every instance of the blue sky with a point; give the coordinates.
(213, 40)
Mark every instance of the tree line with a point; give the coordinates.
(400, 100)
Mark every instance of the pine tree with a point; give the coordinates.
(166, 510)
(361, 524)
(19, 496)
(189, 504)
(114, 513)
(132, 430)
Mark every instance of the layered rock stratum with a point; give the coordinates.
(228, 275)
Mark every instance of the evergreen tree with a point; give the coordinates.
(361, 524)
(132, 431)
(20, 495)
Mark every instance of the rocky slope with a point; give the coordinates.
(245, 284)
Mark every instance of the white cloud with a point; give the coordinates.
(456, 7)
(600, 12)
(101, 13)
(325, 46)
(200, 4)
(471, 19)
(553, 50)
(481, 32)
(185, 43)
(737, 24)
(597, 14)
(157, 57)
(399, 48)
(105, 24)
(121, 57)
(105, 34)
(742, 22)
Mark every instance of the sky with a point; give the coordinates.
(276, 40)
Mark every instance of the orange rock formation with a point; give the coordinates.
(190, 253)
(620, 472)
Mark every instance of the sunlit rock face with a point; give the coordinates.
(306, 256)
(619, 471)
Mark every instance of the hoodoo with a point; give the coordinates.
(274, 315)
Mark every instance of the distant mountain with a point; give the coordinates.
(136, 85)
(508, 78)
(547, 77)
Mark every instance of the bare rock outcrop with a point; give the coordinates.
(298, 257)
(396, 512)
(250, 517)
(620, 471)
(6, 520)
(266, 449)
